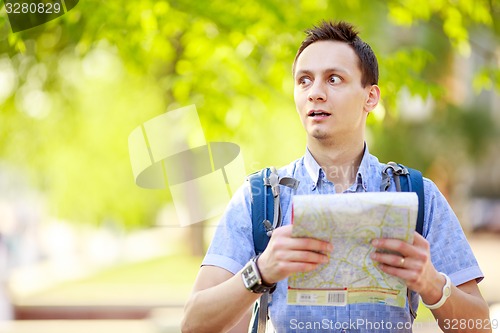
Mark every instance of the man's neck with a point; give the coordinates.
(340, 162)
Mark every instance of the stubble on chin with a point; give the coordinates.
(322, 137)
(319, 134)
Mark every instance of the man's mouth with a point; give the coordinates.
(318, 113)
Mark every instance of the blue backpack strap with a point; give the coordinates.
(255, 317)
(262, 202)
(407, 180)
(262, 208)
(265, 201)
(417, 185)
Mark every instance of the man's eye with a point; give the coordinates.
(335, 79)
(304, 80)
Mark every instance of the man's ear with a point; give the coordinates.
(372, 98)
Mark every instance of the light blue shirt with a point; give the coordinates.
(232, 247)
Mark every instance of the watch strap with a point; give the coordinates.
(444, 297)
(260, 287)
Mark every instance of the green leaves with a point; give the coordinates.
(110, 66)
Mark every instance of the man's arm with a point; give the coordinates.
(220, 302)
(416, 269)
(468, 303)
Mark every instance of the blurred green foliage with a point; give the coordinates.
(145, 282)
(73, 89)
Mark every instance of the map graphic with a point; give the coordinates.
(350, 222)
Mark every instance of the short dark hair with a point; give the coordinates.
(344, 32)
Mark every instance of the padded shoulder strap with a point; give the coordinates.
(417, 185)
(266, 212)
(407, 180)
(262, 208)
(265, 201)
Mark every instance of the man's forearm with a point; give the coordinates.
(219, 308)
(463, 312)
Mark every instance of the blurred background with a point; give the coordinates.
(82, 247)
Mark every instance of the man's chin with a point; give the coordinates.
(320, 135)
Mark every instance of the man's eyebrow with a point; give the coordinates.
(326, 70)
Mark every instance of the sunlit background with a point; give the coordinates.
(80, 240)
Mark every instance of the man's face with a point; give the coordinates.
(328, 94)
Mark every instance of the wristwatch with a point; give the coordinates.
(253, 280)
(446, 294)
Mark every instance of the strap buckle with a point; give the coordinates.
(397, 171)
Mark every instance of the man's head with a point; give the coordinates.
(344, 32)
(335, 85)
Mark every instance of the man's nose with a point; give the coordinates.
(317, 92)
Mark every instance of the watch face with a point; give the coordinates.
(250, 276)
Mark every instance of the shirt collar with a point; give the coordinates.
(314, 170)
(364, 170)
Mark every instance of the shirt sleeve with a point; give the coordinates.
(232, 245)
(450, 250)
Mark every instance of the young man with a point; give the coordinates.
(336, 77)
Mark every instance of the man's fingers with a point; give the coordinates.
(394, 245)
(286, 254)
(306, 257)
(388, 259)
(303, 267)
(301, 243)
(420, 241)
(311, 244)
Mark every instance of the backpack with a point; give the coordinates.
(265, 199)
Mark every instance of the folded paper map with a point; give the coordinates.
(350, 222)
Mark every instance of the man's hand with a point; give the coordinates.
(286, 255)
(412, 264)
